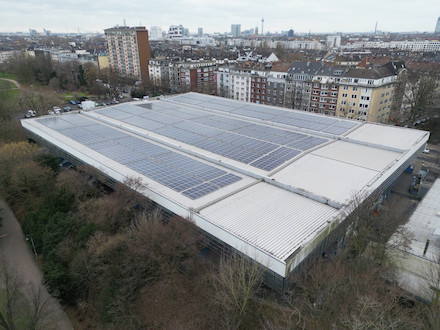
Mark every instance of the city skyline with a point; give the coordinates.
(301, 16)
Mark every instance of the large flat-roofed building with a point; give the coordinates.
(273, 183)
(129, 50)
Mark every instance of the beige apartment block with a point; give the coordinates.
(367, 94)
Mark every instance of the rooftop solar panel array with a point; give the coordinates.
(270, 114)
(183, 174)
(260, 146)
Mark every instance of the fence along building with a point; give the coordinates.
(273, 183)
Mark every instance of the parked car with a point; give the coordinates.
(426, 151)
(72, 102)
(67, 109)
(30, 113)
(57, 110)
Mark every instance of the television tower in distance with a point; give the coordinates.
(262, 24)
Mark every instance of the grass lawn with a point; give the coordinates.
(4, 84)
(22, 311)
(72, 96)
(7, 94)
(7, 76)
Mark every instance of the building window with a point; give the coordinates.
(353, 96)
(355, 89)
(345, 88)
(344, 94)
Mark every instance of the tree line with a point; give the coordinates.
(118, 261)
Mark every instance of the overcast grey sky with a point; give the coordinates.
(217, 16)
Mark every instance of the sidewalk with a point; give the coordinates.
(14, 247)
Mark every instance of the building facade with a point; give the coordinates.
(175, 32)
(299, 84)
(129, 50)
(367, 94)
(159, 72)
(276, 88)
(324, 91)
(184, 76)
(236, 30)
(259, 83)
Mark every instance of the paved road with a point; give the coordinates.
(12, 81)
(14, 247)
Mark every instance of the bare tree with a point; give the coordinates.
(235, 285)
(419, 90)
(23, 305)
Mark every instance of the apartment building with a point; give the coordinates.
(367, 93)
(324, 90)
(405, 45)
(159, 70)
(240, 84)
(277, 86)
(299, 84)
(184, 76)
(129, 50)
(259, 83)
(223, 80)
(197, 76)
(175, 32)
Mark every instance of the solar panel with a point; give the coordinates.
(114, 113)
(267, 163)
(200, 190)
(225, 180)
(307, 143)
(169, 168)
(56, 122)
(335, 130)
(144, 123)
(161, 118)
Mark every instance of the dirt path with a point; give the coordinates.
(13, 245)
(12, 81)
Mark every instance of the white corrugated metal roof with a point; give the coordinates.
(425, 223)
(391, 136)
(307, 157)
(275, 220)
(359, 155)
(330, 178)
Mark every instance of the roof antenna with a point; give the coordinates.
(124, 22)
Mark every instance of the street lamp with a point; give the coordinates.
(33, 245)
